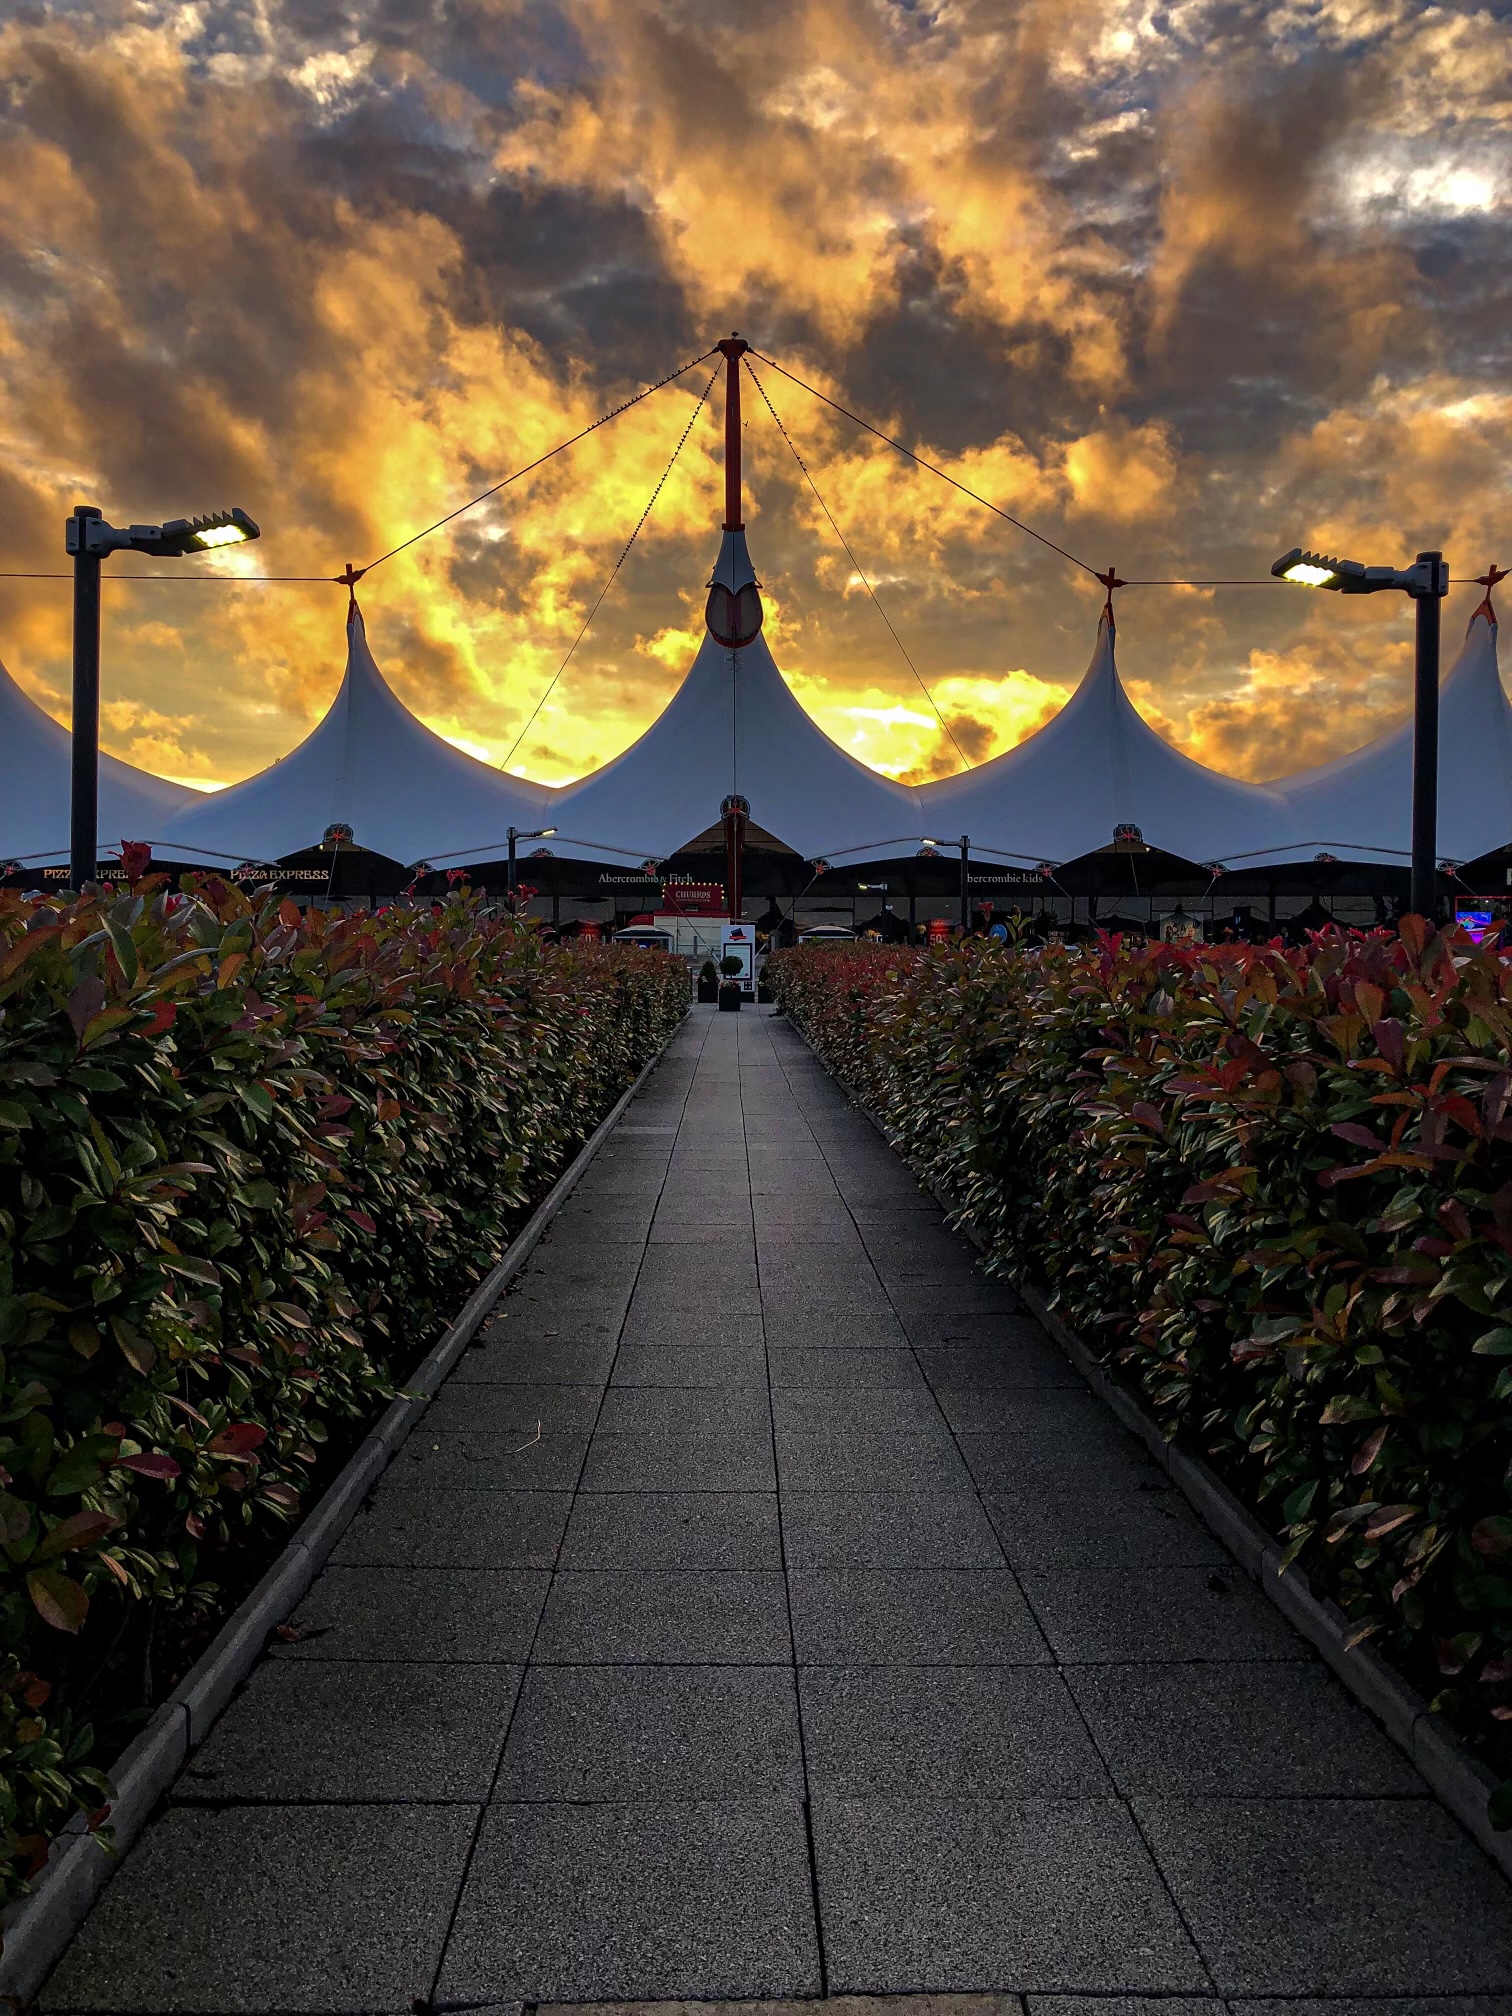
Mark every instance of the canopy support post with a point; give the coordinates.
(733, 348)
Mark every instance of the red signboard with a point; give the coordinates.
(693, 899)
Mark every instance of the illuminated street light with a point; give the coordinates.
(87, 538)
(515, 835)
(1427, 582)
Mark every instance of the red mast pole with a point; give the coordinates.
(733, 349)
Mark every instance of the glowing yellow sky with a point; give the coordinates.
(1178, 291)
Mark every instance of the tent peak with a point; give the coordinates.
(733, 611)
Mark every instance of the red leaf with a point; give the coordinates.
(148, 1464)
(361, 1220)
(240, 1439)
(1351, 1130)
(79, 1529)
(1369, 1449)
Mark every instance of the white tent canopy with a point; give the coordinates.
(371, 765)
(1360, 806)
(733, 728)
(36, 756)
(1098, 765)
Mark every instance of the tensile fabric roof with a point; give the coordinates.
(733, 728)
(1360, 806)
(371, 765)
(36, 756)
(1098, 765)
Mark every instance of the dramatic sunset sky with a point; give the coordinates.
(1181, 285)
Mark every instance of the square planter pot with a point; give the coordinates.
(729, 1000)
(708, 990)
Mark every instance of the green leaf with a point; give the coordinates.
(1495, 1343)
(140, 1354)
(82, 1466)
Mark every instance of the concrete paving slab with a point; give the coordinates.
(1333, 1897)
(837, 1237)
(510, 1411)
(800, 1368)
(731, 1233)
(655, 1323)
(1125, 2005)
(688, 1291)
(833, 1330)
(424, 1614)
(1125, 1615)
(1003, 1362)
(885, 1411)
(1041, 1526)
(662, 1530)
(717, 1277)
(448, 1528)
(923, 1617)
(659, 1410)
(772, 1208)
(710, 1365)
(465, 1459)
(790, 1291)
(845, 1529)
(1002, 1732)
(935, 1295)
(678, 1618)
(912, 1460)
(1034, 1413)
(333, 1730)
(1372, 2005)
(1264, 1731)
(1002, 1894)
(992, 1329)
(604, 1296)
(501, 1359)
(1103, 1457)
(339, 1909)
(570, 1902)
(597, 1733)
(680, 1459)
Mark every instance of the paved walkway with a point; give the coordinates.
(828, 1638)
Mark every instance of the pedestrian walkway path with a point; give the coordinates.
(765, 1610)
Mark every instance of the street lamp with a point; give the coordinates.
(1427, 582)
(965, 890)
(541, 833)
(87, 538)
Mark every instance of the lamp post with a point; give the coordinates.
(87, 539)
(1427, 582)
(965, 891)
(515, 835)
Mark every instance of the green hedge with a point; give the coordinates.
(1273, 1190)
(251, 1159)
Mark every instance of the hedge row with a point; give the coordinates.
(248, 1155)
(1273, 1189)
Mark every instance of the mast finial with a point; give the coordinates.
(1110, 581)
(349, 577)
(1488, 581)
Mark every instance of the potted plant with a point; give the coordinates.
(729, 987)
(708, 981)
